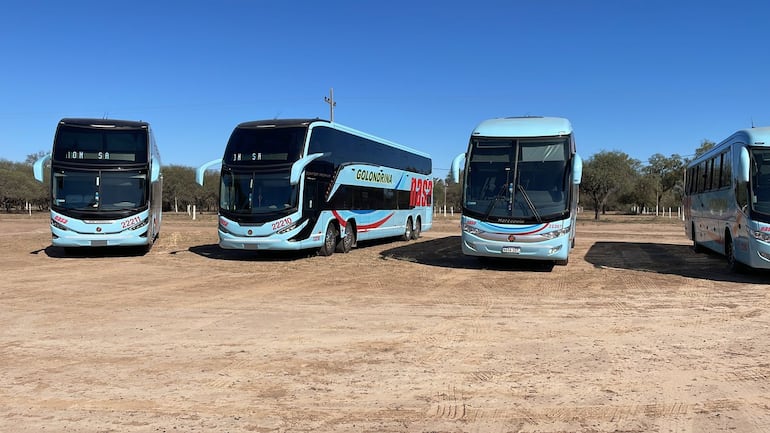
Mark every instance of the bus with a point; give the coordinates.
(727, 199)
(519, 189)
(105, 184)
(296, 184)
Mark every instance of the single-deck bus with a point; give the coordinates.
(296, 184)
(519, 189)
(727, 199)
(105, 183)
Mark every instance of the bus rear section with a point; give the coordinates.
(296, 184)
(519, 189)
(105, 184)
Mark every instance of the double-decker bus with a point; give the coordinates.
(105, 183)
(295, 184)
(727, 199)
(519, 189)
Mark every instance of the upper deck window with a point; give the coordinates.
(100, 145)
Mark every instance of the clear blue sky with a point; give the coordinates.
(641, 77)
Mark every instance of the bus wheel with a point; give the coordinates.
(330, 241)
(695, 245)
(733, 265)
(346, 242)
(408, 230)
(417, 231)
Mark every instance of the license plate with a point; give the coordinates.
(513, 250)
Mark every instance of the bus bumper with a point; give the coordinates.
(555, 249)
(61, 238)
(230, 242)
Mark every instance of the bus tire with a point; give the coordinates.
(408, 230)
(417, 230)
(345, 244)
(330, 241)
(733, 265)
(696, 247)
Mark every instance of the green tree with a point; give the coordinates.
(179, 187)
(665, 173)
(604, 174)
(18, 187)
(705, 146)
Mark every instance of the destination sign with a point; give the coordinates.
(107, 156)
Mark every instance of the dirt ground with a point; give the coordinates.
(636, 334)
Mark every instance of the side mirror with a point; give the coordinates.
(38, 166)
(200, 171)
(577, 169)
(457, 163)
(744, 162)
(155, 170)
(299, 166)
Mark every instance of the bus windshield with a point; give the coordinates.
(250, 192)
(523, 179)
(760, 180)
(99, 190)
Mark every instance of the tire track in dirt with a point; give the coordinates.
(453, 406)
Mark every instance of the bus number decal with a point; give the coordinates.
(282, 223)
(130, 222)
(420, 194)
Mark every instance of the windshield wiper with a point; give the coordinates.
(500, 194)
(529, 202)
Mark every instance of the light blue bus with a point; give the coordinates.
(295, 184)
(105, 184)
(520, 189)
(727, 199)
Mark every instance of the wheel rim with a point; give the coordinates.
(330, 241)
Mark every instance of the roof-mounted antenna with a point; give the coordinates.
(106, 115)
(752, 121)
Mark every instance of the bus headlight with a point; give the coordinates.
(760, 235)
(223, 228)
(467, 228)
(556, 233)
(142, 224)
(287, 229)
(58, 225)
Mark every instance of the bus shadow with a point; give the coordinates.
(213, 251)
(668, 259)
(91, 252)
(447, 253)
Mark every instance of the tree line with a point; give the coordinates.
(19, 189)
(612, 180)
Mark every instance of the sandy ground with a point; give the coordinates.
(636, 334)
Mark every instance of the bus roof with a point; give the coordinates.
(308, 122)
(751, 136)
(530, 126)
(104, 123)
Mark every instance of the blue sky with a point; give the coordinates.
(641, 77)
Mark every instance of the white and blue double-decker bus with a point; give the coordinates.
(105, 183)
(296, 184)
(727, 199)
(520, 189)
